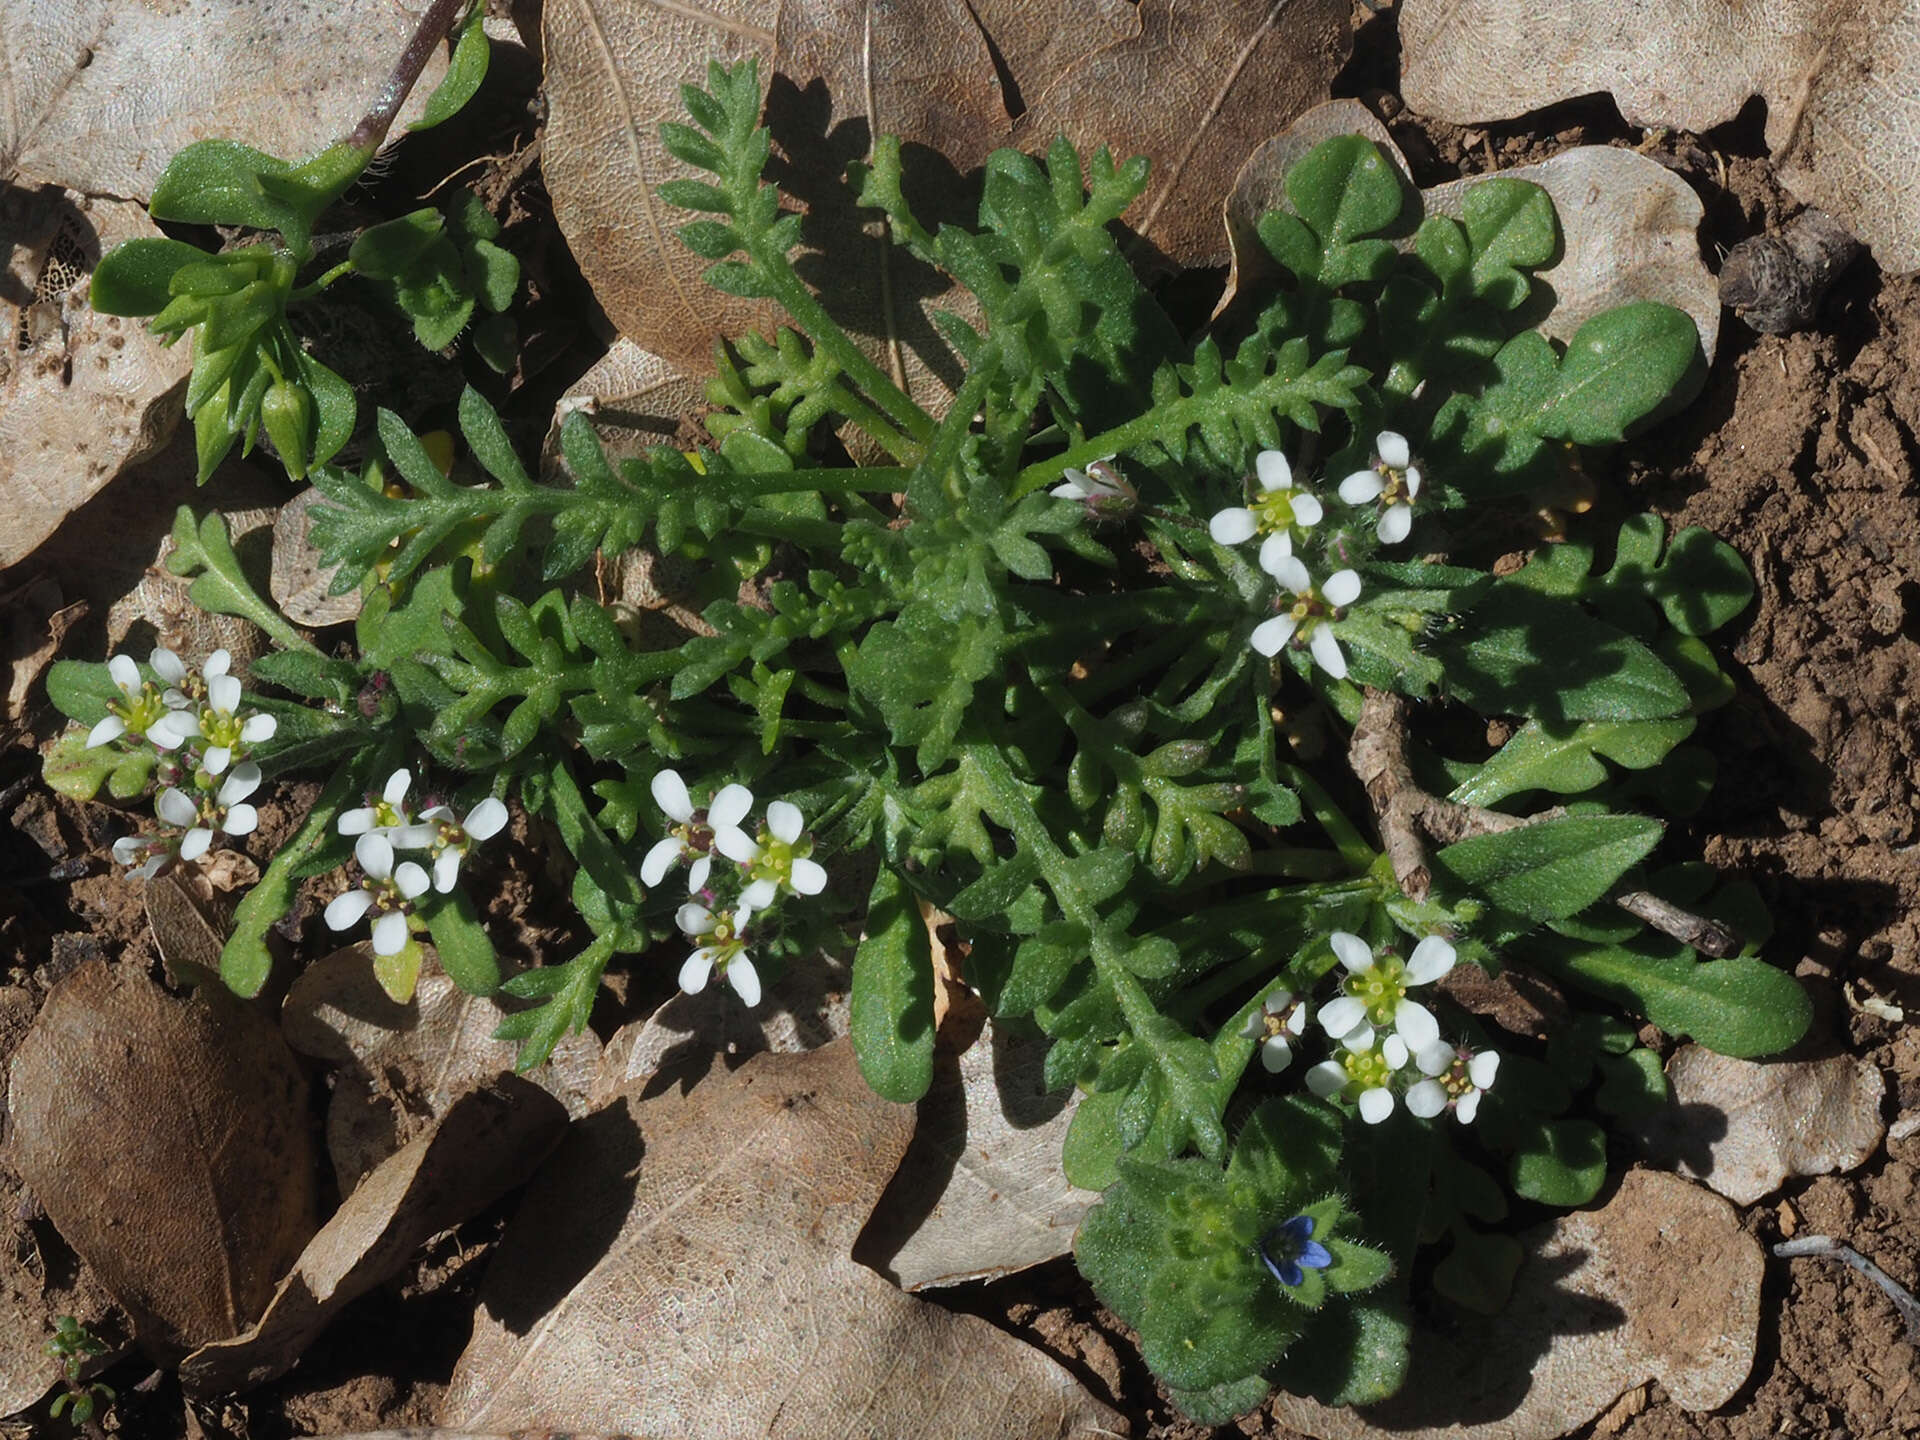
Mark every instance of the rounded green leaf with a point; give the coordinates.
(1563, 1162)
(892, 1004)
(1618, 367)
(133, 279)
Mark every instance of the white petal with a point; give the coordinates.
(1337, 1017)
(1072, 488)
(217, 758)
(1362, 487)
(1413, 481)
(346, 908)
(1293, 574)
(196, 842)
(166, 665)
(697, 874)
(785, 822)
(153, 866)
(729, 807)
(1302, 1013)
(176, 808)
(125, 674)
(1394, 1049)
(1327, 653)
(670, 794)
(1415, 1025)
(735, 844)
(485, 820)
(760, 894)
(1353, 952)
(695, 969)
(244, 780)
(395, 789)
(1329, 1077)
(446, 870)
(1273, 471)
(1270, 636)
(1435, 1058)
(1275, 550)
(241, 820)
(1359, 1040)
(223, 693)
(412, 880)
(355, 822)
(1391, 447)
(1427, 1099)
(173, 728)
(258, 728)
(1395, 524)
(437, 812)
(745, 980)
(1482, 1068)
(1233, 525)
(1276, 1054)
(809, 878)
(127, 849)
(659, 860)
(1376, 1104)
(694, 918)
(1342, 587)
(1307, 511)
(215, 665)
(742, 917)
(410, 837)
(1431, 958)
(1467, 1107)
(375, 854)
(390, 933)
(109, 729)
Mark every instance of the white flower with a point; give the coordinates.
(725, 947)
(219, 723)
(1376, 989)
(693, 834)
(1275, 1024)
(386, 890)
(141, 706)
(1364, 1074)
(389, 816)
(1275, 513)
(144, 854)
(1393, 484)
(1101, 487)
(775, 862)
(1307, 619)
(453, 838)
(1457, 1078)
(208, 816)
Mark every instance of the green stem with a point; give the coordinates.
(314, 287)
(1346, 838)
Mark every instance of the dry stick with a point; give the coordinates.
(1826, 1248)
(1409, 816)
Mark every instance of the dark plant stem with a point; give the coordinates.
(379, 118)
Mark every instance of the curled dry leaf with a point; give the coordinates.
(402, 1067)
(681, 1267)
(1629, 225)
(101, 94)
(1841, 82)
(1660, 1283)
(298, 581)
(82, 395)
(1745, 1128)
(489, 1140)
(168, 1139)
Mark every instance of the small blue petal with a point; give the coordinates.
(1298, 1230)
(1315, 1256)
(1285, 1271)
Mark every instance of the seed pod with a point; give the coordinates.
(288, 415)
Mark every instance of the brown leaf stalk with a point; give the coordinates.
(380, 116)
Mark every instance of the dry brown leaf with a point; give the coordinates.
(102, 93)
(489, 1141)
(404, 1066)
(159, 597)
(168, 1139)
(298, 581)
(81, 395)
(1660, 1282)
(681, 1268)
(1629, 224)
(1745, 1128)
(38, 619)
(1841, 82)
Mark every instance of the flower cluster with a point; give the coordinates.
(203, 737)
(385, 825)
(770, 864)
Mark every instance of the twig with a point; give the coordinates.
(1409, 816)
(1826, 1248)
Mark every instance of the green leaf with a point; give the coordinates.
(1345, 189)
(385, 251)
(1702, 582)
(1553, 868)
(1560, 1162)
(460, 940)
(82, 690)
(1632, 1086)
(1477, 1273)
(464, 73)
(133, 279)
(1353, 1354)
(1564, 757)
(334, 407)
(566, 993)
(1619, 366)
(76, 771)
(892, 1002)
(1221, 1404)
(1511, 227)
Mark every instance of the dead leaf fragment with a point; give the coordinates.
(1659, 1283)
(1841, 82)
(681, 1268)
(300, 584)
(489, 1141)
(168, 1139)
(1745, 1129)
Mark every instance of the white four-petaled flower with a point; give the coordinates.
(1393, 483)
(141, 707)
(210, 815)
(694, 832)
(219, 723)
(1275, 513)
(452, 837)
(386, 890)
(1363, 1073)
(1310, 615)
(1100, 487)
(775, 862)
(725, 947)
(1456, 1079)
(1375, 990)
(388, 816)
(1276, 1024)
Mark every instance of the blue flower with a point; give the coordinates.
(1290, 1250)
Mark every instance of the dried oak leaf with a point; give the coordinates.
(1659, 1283)
(168, 1139)
(1744, 1128)
(100, 93)
(681, 1267)
(1841, 82)
(82, 395)
(300, 584)
(489, 1140)
(403, 1067)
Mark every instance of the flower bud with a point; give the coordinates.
(287, 413)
